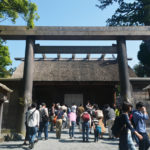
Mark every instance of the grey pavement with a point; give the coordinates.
(65, 143)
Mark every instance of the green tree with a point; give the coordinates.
(144, 58)
(133, 12)
(12, 9)
(144, 53)
(4, 60)
(140, 70)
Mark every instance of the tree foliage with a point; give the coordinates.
(11, 9)
(143, 68)
(141, 71)
(135, 12)
(4, 60)
(144, 53)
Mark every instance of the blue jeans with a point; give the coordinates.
(43, 125)
(71, 129)
(145, 143)
(32, 134)
(85, 130)
(131, 145)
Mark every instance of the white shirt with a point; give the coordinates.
(33, 117)
(73, 108)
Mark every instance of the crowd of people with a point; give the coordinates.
(89, 119)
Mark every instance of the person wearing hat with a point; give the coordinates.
(139, 117)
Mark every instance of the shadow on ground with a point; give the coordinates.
(13, 146)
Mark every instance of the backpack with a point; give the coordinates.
(44, 117)
(51, 112)
(86, 117)
(99, 114)
(54, 119)
(117, 127)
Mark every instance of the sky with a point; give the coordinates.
(69, 13)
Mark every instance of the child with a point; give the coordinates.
(97, 130)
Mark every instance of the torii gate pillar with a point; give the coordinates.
(28, 77)
(123, 70)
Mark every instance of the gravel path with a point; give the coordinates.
(65, 143)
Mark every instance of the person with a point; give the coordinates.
(117, 111)
(33, 119)
(125, 139)
(80, 110)
(60, 115)
(97, 130)
(88, 105)
(73, 108)
(110, 118)
(98, 112)
(44, 122)
(52, 115)
(86, 124)
(65, 119)
(139, 117)
(72, 122)
(103, 129)
(27, 129)
(64, 107)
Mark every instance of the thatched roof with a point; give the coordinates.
(73, 71)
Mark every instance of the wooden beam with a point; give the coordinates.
(75, 49)
(102, 56)
(88, 56)
(75, 33)
(49, 59)
(58, 56)
(44, 56)
(73, 56)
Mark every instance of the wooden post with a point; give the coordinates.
(1, 115)
(88, 56)
(73, 56)
(27, 78)
(58, 56)
(123, 70)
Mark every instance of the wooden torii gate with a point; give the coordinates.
(120, 34)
